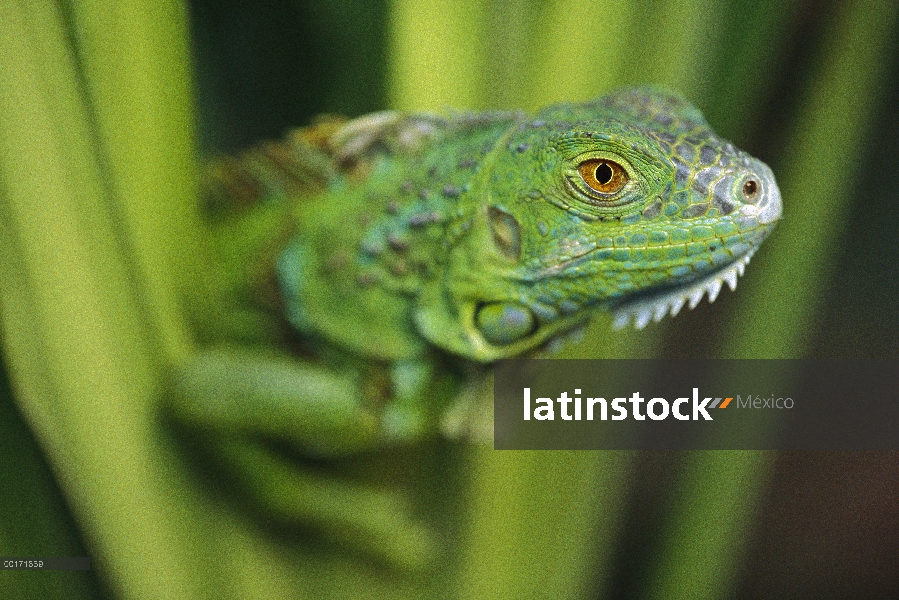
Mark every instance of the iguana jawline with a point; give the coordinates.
(655, 304)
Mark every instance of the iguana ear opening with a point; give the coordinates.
(506, 232)
(474, 306)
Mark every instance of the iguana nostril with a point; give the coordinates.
(501, 323)
(750, 189)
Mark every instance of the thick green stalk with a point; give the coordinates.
(82, 353)
(146, 145)
(571, 61)
(673, 44)
(437, 54)
(713, 508)
(35, 520)
(701, 551)
(821, 162)
(513, 26)
(755, 32)
(536, 519)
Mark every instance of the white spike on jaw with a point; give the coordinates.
(621, 320)
(655, 308)
(643, 317)
(731, 278)
(661, 311)
(696, 296)
(714, 289)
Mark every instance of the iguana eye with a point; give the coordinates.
(602, 176)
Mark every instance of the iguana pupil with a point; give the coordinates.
(604, 173)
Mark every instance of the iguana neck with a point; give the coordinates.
(382, 228)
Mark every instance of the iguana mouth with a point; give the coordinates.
(655, 304)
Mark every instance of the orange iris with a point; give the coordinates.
(603, 176)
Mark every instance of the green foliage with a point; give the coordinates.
(35, 518)
(100, 240)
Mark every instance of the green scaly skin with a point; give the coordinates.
(401, 253)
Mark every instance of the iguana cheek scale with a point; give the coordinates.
(404, 251)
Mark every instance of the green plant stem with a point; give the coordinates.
(834, 119)
(81, 351)
(145, 145)
(700, 553)
(702, 550)
(437, 55)
(538, 516)
(571, 62)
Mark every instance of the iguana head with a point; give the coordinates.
(629, 202)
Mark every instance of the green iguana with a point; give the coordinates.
(370, 269)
